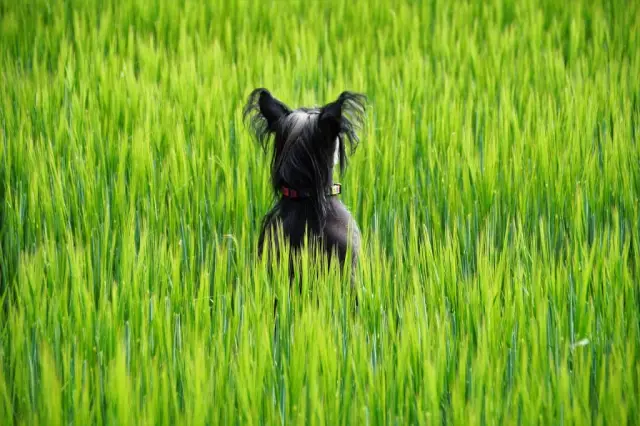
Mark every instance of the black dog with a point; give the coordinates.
(308, 144)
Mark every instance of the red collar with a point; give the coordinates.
(334, 189)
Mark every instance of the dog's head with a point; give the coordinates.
(308, 142)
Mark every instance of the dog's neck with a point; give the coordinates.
(292, 193)
(297, 192)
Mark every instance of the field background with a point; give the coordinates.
(497, 187)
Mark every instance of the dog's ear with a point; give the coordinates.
(344, 116)
(264, 112)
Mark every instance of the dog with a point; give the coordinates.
(308, 143)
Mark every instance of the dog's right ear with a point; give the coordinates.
(343, 118)
(264, 112)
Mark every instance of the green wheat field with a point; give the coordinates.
(497, 187)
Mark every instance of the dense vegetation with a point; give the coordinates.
(497, 187)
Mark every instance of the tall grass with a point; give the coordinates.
(497, 186)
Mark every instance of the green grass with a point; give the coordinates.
(497, 187)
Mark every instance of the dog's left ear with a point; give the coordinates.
(264, 112)
(344, 117)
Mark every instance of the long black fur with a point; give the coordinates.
(304, 145)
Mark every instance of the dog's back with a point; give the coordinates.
(338, 235)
